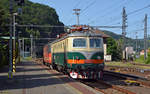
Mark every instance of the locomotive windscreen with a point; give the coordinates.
(95, 43)
(79, 42)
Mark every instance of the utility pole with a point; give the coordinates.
(136, 42)
(23, 47)
(10, 76)
(14, 43)
(145, 36)
(34, 48)
(77, 13)
(31, 45)
(124, 18)
(19, 48)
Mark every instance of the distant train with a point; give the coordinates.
(79, 53)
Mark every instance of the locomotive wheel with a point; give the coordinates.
(65, 72)
(54, 66)
(43, 62)
(51, 67)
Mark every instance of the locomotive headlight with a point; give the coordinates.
(101, 66)
(98, 57)
(78, 58)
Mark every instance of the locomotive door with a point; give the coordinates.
(65, 54)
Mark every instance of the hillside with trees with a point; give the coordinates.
(31, 14)
(3, 43)
(128, 41)
(35, 14)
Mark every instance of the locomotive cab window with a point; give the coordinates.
(79, 42)
(95, 43)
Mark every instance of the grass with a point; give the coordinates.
(127, 64)
(26, 58)
(140, 60)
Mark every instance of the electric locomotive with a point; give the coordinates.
(79, 53)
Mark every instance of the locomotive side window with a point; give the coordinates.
(95, 43)
(79, 42)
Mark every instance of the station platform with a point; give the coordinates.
(34, 78)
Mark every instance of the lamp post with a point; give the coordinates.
(10, 40)
(31, 36)
(19, 45)
(14, 43)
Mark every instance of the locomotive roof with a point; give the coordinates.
(84, 34)
(79, 34)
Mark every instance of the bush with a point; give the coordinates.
(140, 59)
(4, 55)
(148, 59)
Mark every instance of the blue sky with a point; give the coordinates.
(103, 12)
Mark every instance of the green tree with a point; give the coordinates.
(36, 14)
(148, 58)
(113, 49)
(3, 21)
(3, 42)
(119, 49)
(35, 34)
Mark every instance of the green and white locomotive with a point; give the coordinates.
(79, 53)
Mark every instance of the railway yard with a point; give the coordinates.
(35, 81)
(44, 50)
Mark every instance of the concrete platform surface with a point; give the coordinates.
(34, 78)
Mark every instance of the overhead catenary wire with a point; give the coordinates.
(70, 17)
(88, 6)
(110, 11)
(44, 26)
(82, 10)
(117, 17)
(135, 11)
(77, 4)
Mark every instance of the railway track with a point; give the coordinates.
(119, 84)
(106, 88)
(130, 78)
(141, 64)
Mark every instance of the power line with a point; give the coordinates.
(70, 17)
(135, 11)
(89, 5)
(103, 12)
(41, 26)
(106, 12)
(135, 30)
(44, 26)
(84, 11)
(77, 4)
